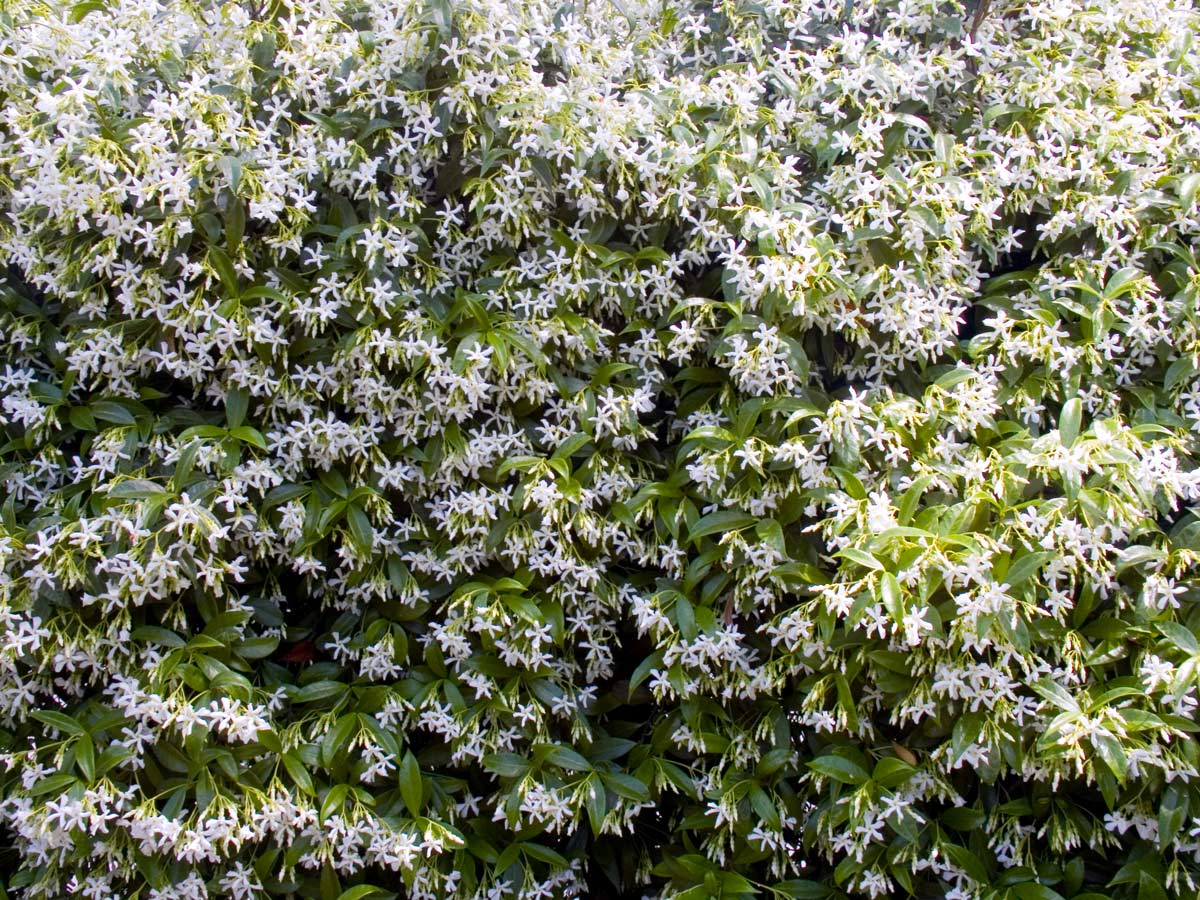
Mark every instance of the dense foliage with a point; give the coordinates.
(485, 449)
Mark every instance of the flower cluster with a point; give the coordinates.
(666, 448)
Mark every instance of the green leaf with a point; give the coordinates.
(113, 413)
(733, 884)
(237, 401)
(1188, 185)
(136, 489)
(710, 432)
(222, 266)
(965, 733)
(802, 889)
(261, 292)
(206, 432)
(997, 110)
(283, 493)
(248, 435)
(595, 801)
(773, 760)
(1180, 636)
(799, 573)
(508, 765)
(362, 533)
(770, 532)
(337, 740)
(1122, 282)
(1056, 694)
(968, 862)
(685, 618)
(962, 818)
(542, 853)
(627, 786)
(359, 891)
(333, 801)
(231, 168)
(643, 670)
(316, 690)
(839, 769)
(518, 463)
(528, 347)
(412, 787)
(892, 597)
(604, 749)
(892, 772)
(61, 721)
(1069, 421)
(80, 10)
(763, 806)
(257, 648)
(861, 557)
(604, 374)
(847, 701)
(53, 784)
(1150, 887)
(722, 520)
(1025, 566)
(82, 418)
(911, 497)
(85, 756)
(1109, 748)
(566, 758)
(850, 483)
(299, 773)
(572, 445)
(507, 856)
(153, 634)
(1172, 813)
(184, 466)
(235, 224)
(943, 148)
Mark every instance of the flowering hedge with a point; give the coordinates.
(612, 448)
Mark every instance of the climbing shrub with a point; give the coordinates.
(601, 449)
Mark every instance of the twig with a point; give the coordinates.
(981, 12)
